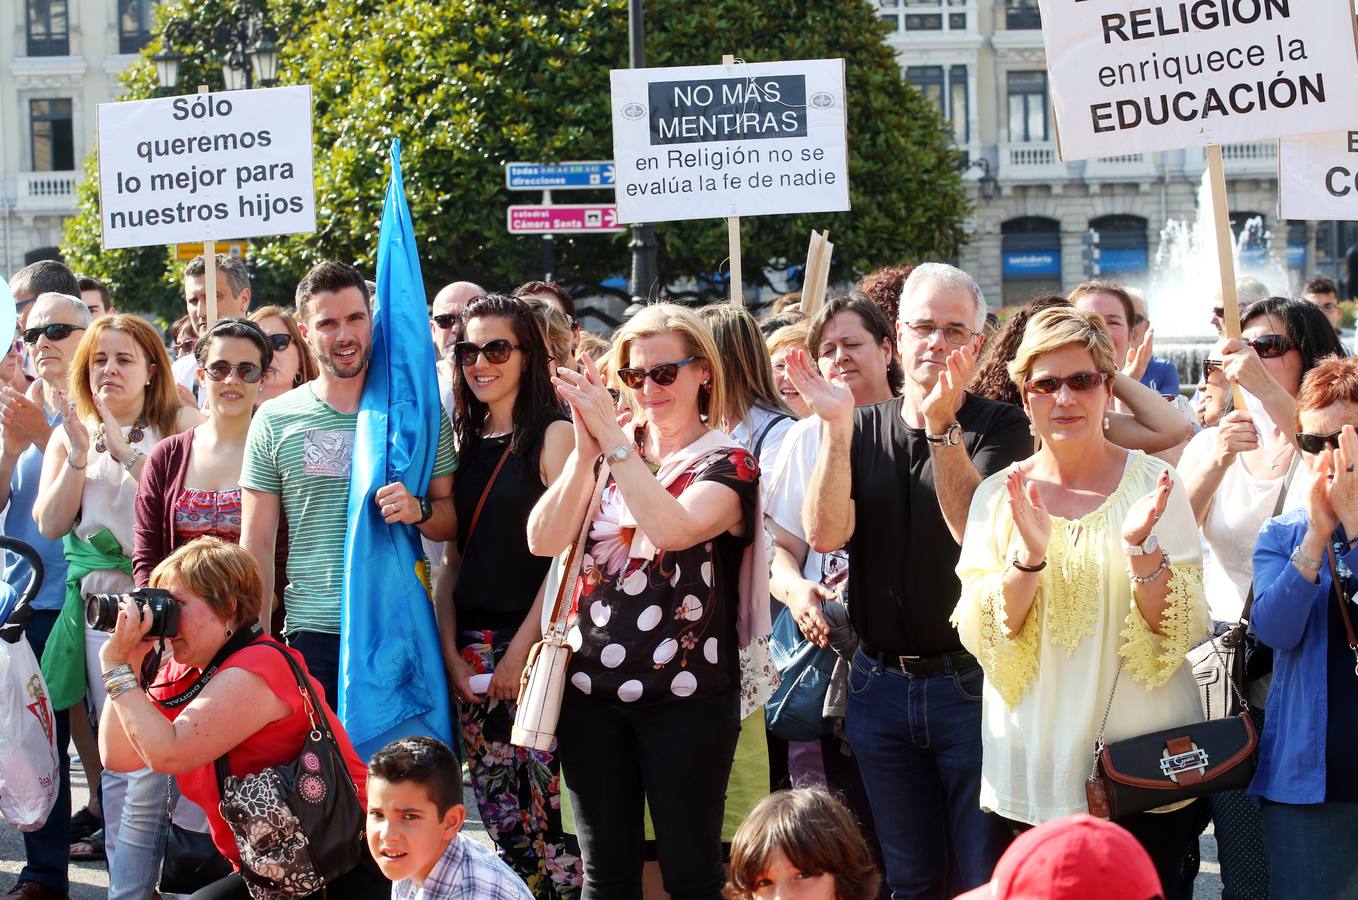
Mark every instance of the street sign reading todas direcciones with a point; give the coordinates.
(564, 176)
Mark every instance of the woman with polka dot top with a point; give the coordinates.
(663, 603)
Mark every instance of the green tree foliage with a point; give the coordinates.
(468, 85)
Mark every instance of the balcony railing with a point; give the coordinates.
(1030, 162)
(1128, 165)
(1252, 159)
(46, 192)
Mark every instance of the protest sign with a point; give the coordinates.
(194, 168)
(1318, 176)
(738, 139)
(1168, 74)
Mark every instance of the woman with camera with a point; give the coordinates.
(224, 694)
(120, 402)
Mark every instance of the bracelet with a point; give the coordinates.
(115, 686)
(1031, 570)
(79, 468)
(1154, 576)
(132, 461)
(122, 688)
(1301, 559)
(120, 669)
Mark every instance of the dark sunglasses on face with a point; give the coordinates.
(221, 370)
(663, 374)
(1314, 443)
(1209, 366)
(280, 341)
(444, 320)
(1270, 346)
(1219, 312)
(496, 352)
(58, 331)
(1080, 381)
(185, 347)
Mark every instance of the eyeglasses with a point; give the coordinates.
(280, 341)
(1080, 381)
(1219, 312)
(221, 370)
(663, 374)
(953, 334)
(185, 347)
(1314, 443)
(444, 320)
(57, 331)
(1209, 366)
(1271, 346)
(496, 352)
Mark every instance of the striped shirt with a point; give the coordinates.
(300, 449)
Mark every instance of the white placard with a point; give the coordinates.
(748, 139)
(1318, 176)
(1133, 77)
(205, 166)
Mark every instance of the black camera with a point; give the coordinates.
(101, 610)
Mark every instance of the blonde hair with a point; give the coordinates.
(309, 370)
(740, 347)
(1057, 327)
(670, 318)
(557, 332)
(161, 405)
(794, 335)
(593, 346)
(223, 574)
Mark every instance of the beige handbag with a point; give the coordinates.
(543, 682)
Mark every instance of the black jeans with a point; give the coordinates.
(363, 882)
(322, 655)
(674, 757)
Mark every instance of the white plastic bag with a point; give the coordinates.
(29, 772)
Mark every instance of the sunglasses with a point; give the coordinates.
(496, 352)
(1271, 346)
(280, 341)
(1219, 312)
(185, 347)
(444, 320)
(56, 332)
(1209, 366)
(1080, 381)
(1315, 443)
(663, 374)
(221, 370)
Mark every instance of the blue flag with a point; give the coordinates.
(392, 681)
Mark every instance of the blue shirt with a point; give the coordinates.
(1291, 615)
(1161, 376)
(465, 871)
(18, 523)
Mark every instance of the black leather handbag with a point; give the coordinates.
(1170, 766)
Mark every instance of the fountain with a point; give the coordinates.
(1185, 281)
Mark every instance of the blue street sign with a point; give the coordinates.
(565, 176)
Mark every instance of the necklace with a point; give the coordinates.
(133, 437)
(1273, 463)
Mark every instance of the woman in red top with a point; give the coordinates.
(248, 709)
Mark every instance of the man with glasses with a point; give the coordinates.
(448, 305)
(233, 299)
(41, 277)
(1323, 293)
(297, 462)
(893, 481)
(1160, 375)
(56, 322)
(1248, 289)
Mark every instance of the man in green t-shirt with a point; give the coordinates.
(297, 461)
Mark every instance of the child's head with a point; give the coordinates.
(801, 843)
(414, 806)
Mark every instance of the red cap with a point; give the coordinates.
(1075, 858)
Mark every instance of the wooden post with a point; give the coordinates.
(209, 263)
(1221, 219)
(733, 234)
(816, 276)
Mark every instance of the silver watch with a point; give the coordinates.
(951, 436)
(619, 453)
(1145, 548)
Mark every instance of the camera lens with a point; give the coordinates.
(101, 611)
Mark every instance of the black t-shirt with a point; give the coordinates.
(901, 556)
(1341, 720)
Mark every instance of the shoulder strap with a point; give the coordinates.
(485, 492)
(1277, 510)
(556, 623)
(764, 432)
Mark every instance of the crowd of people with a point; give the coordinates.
(1006, 536)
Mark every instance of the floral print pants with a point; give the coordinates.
(518, 791)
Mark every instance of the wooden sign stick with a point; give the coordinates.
(733, 235)
(815, 278)
(1221, 218)
(209, 264)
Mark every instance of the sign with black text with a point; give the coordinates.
(1147, 75)
(1318, 176)
(206, 166)
(746, 139)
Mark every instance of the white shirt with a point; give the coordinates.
(785, 493)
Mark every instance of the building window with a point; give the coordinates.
(946, 88)
(135, 18)
(1028, 107)
(48, 28)
(1022, 15)
(1030, 258)
(909, 16)
(51, 136)
(1124, 247)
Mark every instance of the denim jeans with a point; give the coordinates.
(917, 740)
(322, 654)
(47, 849)
(1312, 850)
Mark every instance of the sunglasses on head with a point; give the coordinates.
(663, 374)
(58, 331)
(1080, 381)
(221, 370)
(496, 352)
(280, 342)
(1314, 443)
(1271, 346)
(444, 320)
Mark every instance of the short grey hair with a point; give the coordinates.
(82, 312)
(237, 275)
(943, 275)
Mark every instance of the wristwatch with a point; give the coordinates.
(619, 453)
(426, 510)
(1146, 547)
(951, 436)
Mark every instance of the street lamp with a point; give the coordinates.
(167, 69)
(987, 183)
(251, 53)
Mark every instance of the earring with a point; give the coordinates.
(228, 632)
(1032, 429)
(1107, 423)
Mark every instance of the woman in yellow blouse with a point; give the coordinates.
(1080, 566)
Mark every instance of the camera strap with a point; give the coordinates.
(238, 641)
